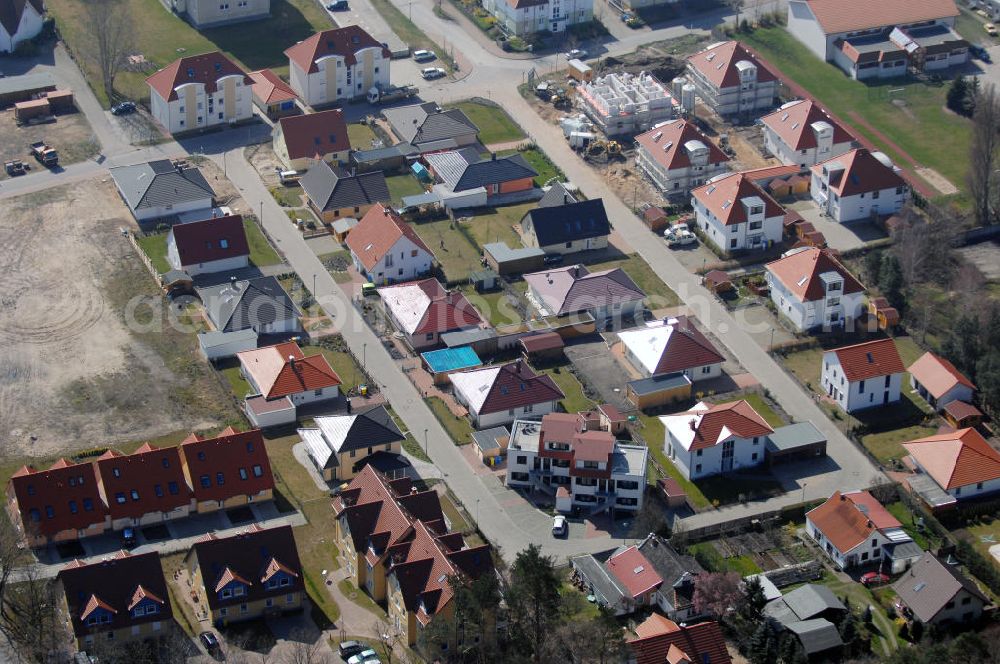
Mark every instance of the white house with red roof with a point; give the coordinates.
(20, 20)
(732, 80)
(526, 17)
(864, 375)
(498, 395)
(858, 185)
(281, 379)
(386, 249)
(811, 288)
(952, 467)
(200, 91)
(424, 310)
(218, 244)
(853, 529)
(711, 439)
(669, 346)
(736, 214)
(676, 156)
(939, 382)
(802, 134)
(298, 140)
(336, 65)
(571, 456)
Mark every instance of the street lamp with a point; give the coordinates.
(314, 290)
(477, 512)
(261, 217)
(364, 353)
(425, 443)
(804, 485)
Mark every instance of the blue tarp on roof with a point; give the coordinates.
(451, 359)
(421, 172)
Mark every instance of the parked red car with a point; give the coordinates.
(874, 578)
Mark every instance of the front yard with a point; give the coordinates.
(495, 125)
(457, 256)
(458, 428)
(497, 224)
(575, 400)
(540, 162)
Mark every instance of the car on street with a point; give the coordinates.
(338, 6)
(423, 55)
(348, 649)
(679, 237)
(552, 259)
(368, 656)
(874, 579)
(980, 53)
(123, 108)
(128, 538)
(210, 641)
(559, 526)
(430, 73)
(576, 54)
(990, 29)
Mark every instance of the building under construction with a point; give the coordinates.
(621, 104)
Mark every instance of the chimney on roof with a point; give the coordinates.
(291, 360)
(693, 424)
(493, 156)
(413, 490)
(843, 497)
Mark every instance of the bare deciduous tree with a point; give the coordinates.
(387, 638)
(984, 157)
(108, 24)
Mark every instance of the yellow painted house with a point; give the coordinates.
(340, 445)
(254, 574)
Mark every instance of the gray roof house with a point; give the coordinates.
(678, 571)
(162, 188)
(938, 593)
(556, 194)
(567, 228)
(571, 289)
(259, 304)
(428, 126)
(462, 170)
(808, 612)
(334, 193)
(339, 441)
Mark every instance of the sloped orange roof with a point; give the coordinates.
(377, 233)
(722, 197)
(284, 369)
(800, 273)
(344, 42)
(205, 69)
(862, 173)
(634, 571)
(269, 88)
(738, 416)
(869, 359)
(793, 124)
(840, 520)
(666, 144)
(937, 374)
(956, 459)
(717, 63)
(835, 16)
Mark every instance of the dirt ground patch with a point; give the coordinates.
(80, 364)
(985, 256)
(70, 135)
(936, 180)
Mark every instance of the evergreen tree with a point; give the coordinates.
(873, 265)
(890, 280)
(534, 600)
(962, 346)
(752, 608)
(850, 635)
(957, 94)
(761, 648)
(988, 380)
(917, 631)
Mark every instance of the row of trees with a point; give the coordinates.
(973, 345)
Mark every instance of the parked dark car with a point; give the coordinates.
(338, 6)
(552, 259)
(347, 649)
(123, 108)
(128, 538)
(210, 641)
(980, 53)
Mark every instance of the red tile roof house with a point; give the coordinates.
(736, 214)
(812, 289)
(300, 139)
(386, 249)
(939, 382)
(854, 529)
(858, 185)
(419, 582)
(118, 600)
(281, 379)
(500, 394)
(732, 80)
(669, 346)
(272, 95)
(373, 514)
(711, 439)
(659, 640)
(227, 471)
(677, 157)
(424, 310)
(865, 375)
(218, 244)
(200, 91)
(624, 583)
(144, 488)
(952, 467)
(800, 133)
(254, 574)
(606, 295)
(60, 504)
(336, 65)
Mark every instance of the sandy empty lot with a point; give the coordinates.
(70, 135)
(73, 375)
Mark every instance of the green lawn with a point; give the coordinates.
(759, 403)
(360, 135)
(495, 126)
(457, 256)
(575, 400)
(162, 37)
(261, 251)
(343, 363)
(403, 185)
(497, 225)
(932, 137)
(860, 597)
(451, 512)
(493, 306)
(708, 556)
(237, 383)
(288, 196)
(899, 510)
(458, 428)
(155, 248)
(411, 35)
(658, 294)
(541, 163)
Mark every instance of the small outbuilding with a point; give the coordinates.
(504, 260)
(717, 281)
(544, 346)
(795, 442)
(962, 414)
(491, 444)
(442, 363)
(658, 390)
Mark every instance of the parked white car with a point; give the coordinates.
(576, 54)
(430, 73)
(559, 526)
(422, 55)
(679, 237)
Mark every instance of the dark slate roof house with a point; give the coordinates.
(161, 187)
(259, 304)
(340, 434)
(329, 188)
(556, 225)
(461, 170)
(427, 124)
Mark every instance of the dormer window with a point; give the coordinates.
(226, 593)
(239, 591)
(116, 472)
